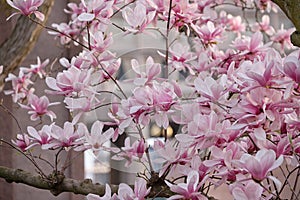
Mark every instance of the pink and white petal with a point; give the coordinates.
(16, 13)
(276, 181)
(86, 17)
(239, 194)
(39, 15)
(93, 197)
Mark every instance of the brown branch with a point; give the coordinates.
(22, 40)
(83, 187)
(58, 184)
(291, 8)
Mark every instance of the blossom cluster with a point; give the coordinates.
(238, 106)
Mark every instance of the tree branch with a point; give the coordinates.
(83, 187)
(22, 40)
(59, 184)
(292, 10)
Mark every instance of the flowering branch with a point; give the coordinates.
(57, 187)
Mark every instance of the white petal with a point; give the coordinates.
(86, 17)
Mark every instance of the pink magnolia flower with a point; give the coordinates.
(38, 68)
(210, 88)
(97, 138)
(253, 46)
(282, 37)
(139, 193)
(291, 66)
(236, 24)
(181, 56)
(156, 99)
(188, 190)
(261, 164)
(164, 97)
(247, 191)
(172, 157)
(264, 26)
(137, 18)
(65, 30)
(131, 152)
(63, 137)
(94, 9)
(98, 41)
(20, 86)
(259, 105)
(72, 80)
(208, 33)
(40, 137)
(22, 141)
(184, 13)
(146, 76)
(27, 7)
(38, 106)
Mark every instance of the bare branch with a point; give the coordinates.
(83, 187)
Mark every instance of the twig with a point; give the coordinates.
(167, 38)
(57, 31)
(34, 163)
(11, 114)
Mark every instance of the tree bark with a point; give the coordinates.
(22, 40)
(291, 8)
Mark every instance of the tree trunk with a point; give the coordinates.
(22, 40)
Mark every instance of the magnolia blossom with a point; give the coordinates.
(236, 24)
(131, 152)
(261, 164)
(209, 33)
(99, 42)
(65, 31)
(188, 190)
(20, 86)
(97, 138)
(38, 68)
(140, 190)
(252, 46)
(137, 18)
(210, 88)
(63, 137)
(145, 76)
(27, 7)
(282, 37)
(171, 156)
(181, 57)
(291, 66)
(22, 141)
(264, 26)
(38, 106)
(72, 80)
(248, 191)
